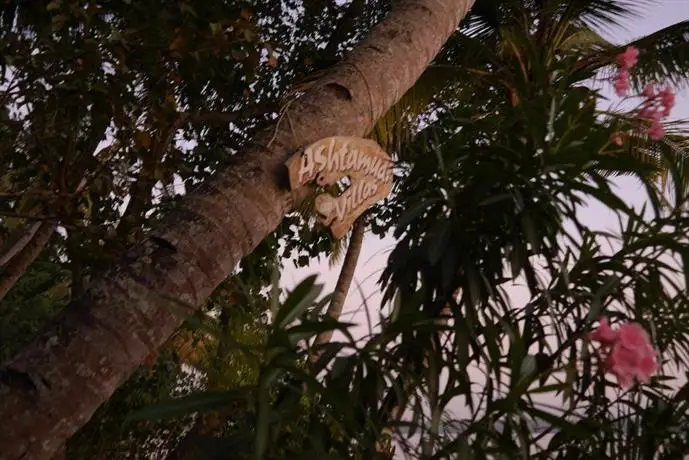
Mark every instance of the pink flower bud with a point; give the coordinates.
(655, 115)
(667, 98)
(621, 83)
(604, 334)
(649, 91)
(616, 138)
(656, 131)
(628, 58)
(645, 113)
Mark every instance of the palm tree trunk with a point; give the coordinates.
(38, 236)
(344, 283)
(53, 386)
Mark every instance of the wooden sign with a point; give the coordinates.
(327, 161)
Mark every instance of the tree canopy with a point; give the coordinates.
(112, 110)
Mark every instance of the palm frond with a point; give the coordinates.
(396, 127)
(337, 251)
(674, 160)
(582, 38)
(488, 16)
(669, 157)
(664, 57)
(597, 14)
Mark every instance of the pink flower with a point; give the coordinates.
(667, 98)
(632, 335)
(632, 356)
(621, 363)
(621, 83)
(655, 115)
(645, 113)
(656, 131)
(628, 353)
(649, 91)
(616, 138)
(657, 103)
(648, 366)
(628, 58)
(604, 334)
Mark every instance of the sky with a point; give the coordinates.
(375, 251)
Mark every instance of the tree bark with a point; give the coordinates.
(15, 267)
(19, 243)
(52, 387)
(344, 283)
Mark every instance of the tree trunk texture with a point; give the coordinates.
(17, 243)
(53, 386)
(15, 266)
(344, 283)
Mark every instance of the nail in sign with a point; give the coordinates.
(327, 161)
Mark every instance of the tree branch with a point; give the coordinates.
(226, 117)
(20, 262)
(20, 243)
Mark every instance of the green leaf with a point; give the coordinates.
(309, 329)
(517, 259)
(263, 423)
(611, 283)
(552, 388)
(437, 243)
(298, 301)
(413, 213)
(188, 405)
(327, 353)
(558, 421)
(275, 290)
(527, 368)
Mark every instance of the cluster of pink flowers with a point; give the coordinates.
(627, 353)
(657, 102)
(625, 61)
(656, 106)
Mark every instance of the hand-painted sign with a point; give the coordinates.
(327, 161)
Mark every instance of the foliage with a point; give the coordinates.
(108, 106)
(42, 290)
(493, 194)
(107, 436)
